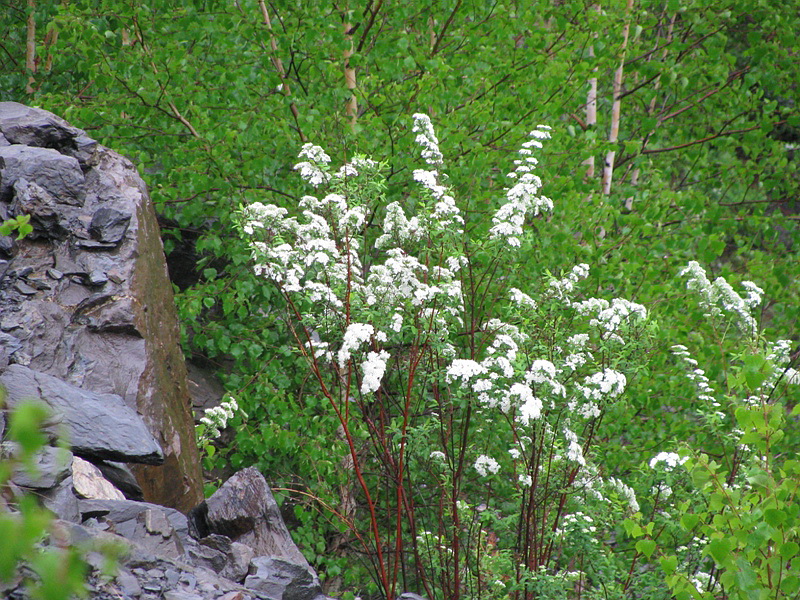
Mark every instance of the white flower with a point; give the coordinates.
(437, 455)
(670, 460)
(464, 369)
(626, 492)
(312, 173)
(523, 299)
(485, 465)
(397, 322)
(712, 295)
(427, 139)
(373, 369)
(314, 153)
(574, 450)
(522, 197)
(525, 480)
(563, 288)
(356, 334)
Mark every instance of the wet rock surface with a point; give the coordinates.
(85, 300)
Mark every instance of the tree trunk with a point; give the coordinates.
(350, 76)
(613, 135)
(30, 47)
(591, 105)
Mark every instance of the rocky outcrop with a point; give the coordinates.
(164, 554)
(86, 306)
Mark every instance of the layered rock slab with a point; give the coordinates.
(86, 297)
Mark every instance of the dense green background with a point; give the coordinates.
(710, 126)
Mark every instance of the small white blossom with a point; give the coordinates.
(356, 334)
(670, 460)
(427, 139)
(574, 449)
(464, 369)
(373, 369)
(485, 465)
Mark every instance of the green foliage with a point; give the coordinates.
(19, 224)
(51, 572)
(705, 169)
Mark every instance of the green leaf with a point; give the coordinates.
(720, 550)
(788, 550)
(689, 521)
(669, 564)
(646, 547)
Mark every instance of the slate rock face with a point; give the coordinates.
(86, 297)
(244, 510)
(97, 426)
(282, 579)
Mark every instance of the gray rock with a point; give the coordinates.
(8, 345)
(59, 175)
(36, 127)
(410, 596)
(109, 225)
(51, 465)
(244, 510)
(97, 231)
(209, 558)
(47, 220)
(282, 580)
(238, 565)
(179, 595)
(7, 245)
(62, 502)
(121, 511)
(128, 584)
(98, 426)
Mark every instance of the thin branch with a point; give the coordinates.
(276, 61)
(447, 23)
(708, 138)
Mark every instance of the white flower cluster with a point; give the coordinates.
(719, 297)
(670, 460)
(216, 418)
(611, 316)
(355, 335)
(311, 170)
(696, 374)
(563, 288)
(607, 383)
(523, 197)
(574, 449)
(426, 137)
(372, 371)
(626, 492)
(485, 465)
(576, 522)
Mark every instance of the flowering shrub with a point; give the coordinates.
(738, 511)
(483, 413)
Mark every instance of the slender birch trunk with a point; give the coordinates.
(30, 47)
(651, 108)
(278, 64)
(608, 167)
(591, 105)
(350, 76)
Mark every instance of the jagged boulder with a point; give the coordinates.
(86, 298)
